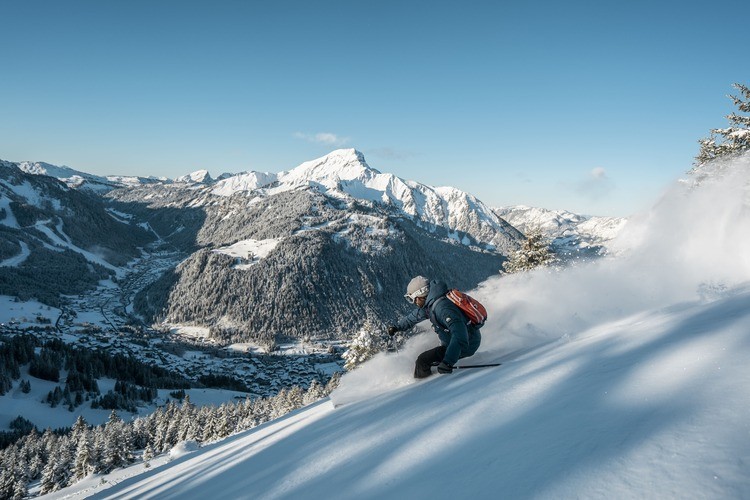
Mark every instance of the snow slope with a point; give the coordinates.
(622, 378)
(654, 406)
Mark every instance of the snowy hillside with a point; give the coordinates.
(73, 178)
(89, 182)
(622, 378)
(570, 233)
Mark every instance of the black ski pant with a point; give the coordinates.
(428, 359)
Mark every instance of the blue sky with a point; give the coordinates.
(590, 106)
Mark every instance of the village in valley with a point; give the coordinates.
(103, 320)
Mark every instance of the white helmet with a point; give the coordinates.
(418, 287)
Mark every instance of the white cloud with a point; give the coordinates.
(326, 138)
(599, 173)
(596, 186)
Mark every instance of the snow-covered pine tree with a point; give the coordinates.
(210, 425)
(148, 455)
(189, 430)
(278, 404)
(333, 383)
(35, 453)
(535, 251)
(20, 489)
(80, 428)
(118, 446)
(225, 420)
(313, 393)
(732, 140)
(7, 474)
(84, 463)
(365, 345)
(57, 472)
(100, 440)
(14, 476)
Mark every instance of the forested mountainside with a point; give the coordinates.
(56, 240)
(334, 266)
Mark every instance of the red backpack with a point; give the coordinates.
(471, 307)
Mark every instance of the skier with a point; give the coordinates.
(458, 338)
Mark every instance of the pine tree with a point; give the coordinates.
(294, 398)
(148, 455)
(534, 252)
(116, 446)
(225, 421)
(20, 488)
(57, 472)
(365, 345)
(732, 140)
(209, 427)
(80, 427)
(313, 393)
(7, 481)
(84, 458)
(333, 383)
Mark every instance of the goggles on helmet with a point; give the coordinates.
(411, 297)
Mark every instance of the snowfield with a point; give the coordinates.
(249, 252)
(651, 406)
(623, 378)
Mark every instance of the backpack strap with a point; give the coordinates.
(433, 315)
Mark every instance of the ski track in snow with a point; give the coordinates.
(42, 226)
(17, 260)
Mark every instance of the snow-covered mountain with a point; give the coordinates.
(73, 178)
(85, 181)
(197, 177)
(57, 240)
(624, 377)
(571, 234)
(345, 174)
(340, 240)
(342, 173)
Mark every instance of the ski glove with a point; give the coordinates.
(445, 368)
(392, 330)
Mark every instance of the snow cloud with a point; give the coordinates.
(327, 138)
(693, 245)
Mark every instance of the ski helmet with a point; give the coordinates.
(418, 287)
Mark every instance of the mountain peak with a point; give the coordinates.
(197, 177)
(338, 165)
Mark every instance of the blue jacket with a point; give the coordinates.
(448, 321)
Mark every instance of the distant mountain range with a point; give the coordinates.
(314, 251)
(571, 235)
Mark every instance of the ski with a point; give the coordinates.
(477, 366)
